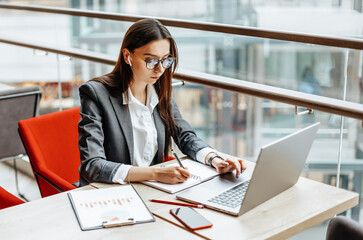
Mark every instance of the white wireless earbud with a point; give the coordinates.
(128, 58)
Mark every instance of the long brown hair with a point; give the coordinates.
(139, 34)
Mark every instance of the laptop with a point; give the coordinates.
(278, 168)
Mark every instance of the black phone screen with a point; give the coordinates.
(190, 218)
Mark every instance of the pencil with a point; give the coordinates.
(178, 203)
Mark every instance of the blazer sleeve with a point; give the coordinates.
(94, 165)
(188, 141)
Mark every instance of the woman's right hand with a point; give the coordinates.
(171, 175)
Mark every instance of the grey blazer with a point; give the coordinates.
(106, 139)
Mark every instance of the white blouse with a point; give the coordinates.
(145, 134)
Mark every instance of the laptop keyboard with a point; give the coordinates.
(232, 197)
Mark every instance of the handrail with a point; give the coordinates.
(71, 52)
(325, 104)
(343, 42)
(310, 101)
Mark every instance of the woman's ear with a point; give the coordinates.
(126, 55)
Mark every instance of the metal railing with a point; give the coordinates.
(325, 40)
(325, 104)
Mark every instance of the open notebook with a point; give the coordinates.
(199, 173)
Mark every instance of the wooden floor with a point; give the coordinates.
(27, 184)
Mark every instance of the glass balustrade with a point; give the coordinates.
(231, 122)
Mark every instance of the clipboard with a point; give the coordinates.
(109, 207)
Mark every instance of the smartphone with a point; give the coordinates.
(190, 218)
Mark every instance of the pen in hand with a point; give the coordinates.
(177, 158)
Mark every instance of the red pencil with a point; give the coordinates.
(178, 203)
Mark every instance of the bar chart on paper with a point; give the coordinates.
(109, 208)
(95, 207)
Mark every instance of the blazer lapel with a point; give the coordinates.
(160, 128)
(124, 119)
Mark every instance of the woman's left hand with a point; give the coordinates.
(228, 165)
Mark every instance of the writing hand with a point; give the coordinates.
(172, 175)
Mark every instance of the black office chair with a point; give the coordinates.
(16, 104)
(342, 228)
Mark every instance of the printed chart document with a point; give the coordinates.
(199, 173)
(109, 207)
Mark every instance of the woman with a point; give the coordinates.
(128, 116)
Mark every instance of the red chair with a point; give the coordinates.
(169, 159)
(51, 142)
(7, 199)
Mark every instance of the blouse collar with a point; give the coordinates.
(152, 98)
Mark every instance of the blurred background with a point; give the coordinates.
(233, 123)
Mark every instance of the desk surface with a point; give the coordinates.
(53, 218)
(302, 206)
(298, 208)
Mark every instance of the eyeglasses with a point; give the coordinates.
(152, 63)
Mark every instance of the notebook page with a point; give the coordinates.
(199, 173)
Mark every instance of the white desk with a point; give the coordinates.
(297, 209)
(302, 206)
(53, 218)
